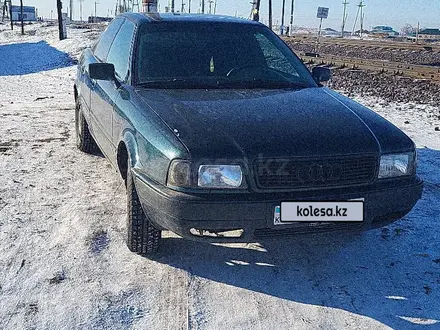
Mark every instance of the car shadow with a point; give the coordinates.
(31, 57)
(391, 274)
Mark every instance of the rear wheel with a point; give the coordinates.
(84, 140)
(142, 237)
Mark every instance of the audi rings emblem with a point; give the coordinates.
(319, 172)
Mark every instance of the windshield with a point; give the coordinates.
(216, 55)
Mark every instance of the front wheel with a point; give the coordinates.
(142, 237)
(84, 140)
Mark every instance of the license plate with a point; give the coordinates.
(317, 211)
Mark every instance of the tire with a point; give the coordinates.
(142, 237)
(84, 140)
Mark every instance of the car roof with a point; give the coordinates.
(142, 18)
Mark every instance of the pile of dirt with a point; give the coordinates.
(410, 56)
(388, 87)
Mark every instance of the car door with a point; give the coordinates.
(106, 92)
(98, 98)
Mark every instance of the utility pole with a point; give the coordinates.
(256, 10)
(215, 7)
(182, 9)
(60, 19)
(361, 5)
(283, 13)
(21, 18)
(270, 14)
(360, 13)
(355, 21)
(344, 17)
(189, 6)
(292, 13)
(4, 10)
(135, 3)
(81, 10)
(172, 5)
(95, 20)
(203, 6)
(10, 14)
(417, 32)
(71, 10)
(210, 6)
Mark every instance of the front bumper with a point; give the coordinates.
(254, 212)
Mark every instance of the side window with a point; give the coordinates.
(119, 53)
(104, 43)
(275, 59)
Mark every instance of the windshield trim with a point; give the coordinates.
(182, 83)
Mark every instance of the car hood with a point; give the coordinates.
(216, 124)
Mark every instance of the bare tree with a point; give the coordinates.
(408, 29)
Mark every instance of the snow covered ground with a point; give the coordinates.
(64, 264)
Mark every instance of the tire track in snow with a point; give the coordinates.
(173, 299)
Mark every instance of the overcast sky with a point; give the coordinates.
(395, 13)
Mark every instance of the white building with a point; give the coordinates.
(28, 13)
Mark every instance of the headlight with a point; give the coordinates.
(220, 176)
(395, 165)
(179, 173)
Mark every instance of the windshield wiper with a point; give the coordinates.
(172, 83)
(262, 83)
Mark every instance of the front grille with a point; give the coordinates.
(314, 173)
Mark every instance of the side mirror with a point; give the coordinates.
(321, 74)
(102, 71)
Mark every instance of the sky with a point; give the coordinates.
(395, 13)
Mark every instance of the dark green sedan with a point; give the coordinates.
(221, 134)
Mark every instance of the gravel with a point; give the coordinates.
(423, 57)
(388, 87)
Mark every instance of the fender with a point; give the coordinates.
(128, 138)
